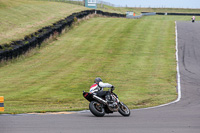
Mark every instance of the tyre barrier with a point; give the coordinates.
(19, 47)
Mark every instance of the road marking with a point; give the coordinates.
(178, 72)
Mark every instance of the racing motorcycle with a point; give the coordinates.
(99, 106)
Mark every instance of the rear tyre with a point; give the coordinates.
(124, 110)
(96, 109)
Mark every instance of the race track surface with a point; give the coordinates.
(179, 117)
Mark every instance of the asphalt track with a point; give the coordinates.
(180, 117)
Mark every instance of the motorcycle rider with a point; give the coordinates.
(97, 88)
(193, 19)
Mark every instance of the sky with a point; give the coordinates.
(157, 3)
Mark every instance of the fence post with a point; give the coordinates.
(1, 104)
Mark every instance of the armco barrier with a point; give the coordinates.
(139, 16)
(19, 47)
(134, 17)
(1, 104)
(182, 14)
(148, 13)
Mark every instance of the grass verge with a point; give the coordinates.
(137, 56)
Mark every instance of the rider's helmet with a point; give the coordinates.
(97, 80)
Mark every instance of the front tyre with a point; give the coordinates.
(96, 109)
(124, 110)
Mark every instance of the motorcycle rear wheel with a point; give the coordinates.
(124, 110)
(96, 109)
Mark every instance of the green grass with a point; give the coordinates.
(136, 56)
(22, 17)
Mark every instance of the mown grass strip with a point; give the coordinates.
(137, 56)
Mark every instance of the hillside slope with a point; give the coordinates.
(22, 17)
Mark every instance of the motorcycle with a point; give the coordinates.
(99, 106)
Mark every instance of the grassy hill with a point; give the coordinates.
(22, 17)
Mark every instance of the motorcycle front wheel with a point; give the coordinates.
(124, 110)
(96, 109)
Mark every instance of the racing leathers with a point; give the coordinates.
(98, 89)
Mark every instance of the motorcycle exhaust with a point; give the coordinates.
(100, 99)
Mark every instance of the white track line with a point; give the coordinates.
(178, 77)
(178, 72)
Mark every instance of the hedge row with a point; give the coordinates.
(19, 47)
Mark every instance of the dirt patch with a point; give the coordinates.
(52, 113)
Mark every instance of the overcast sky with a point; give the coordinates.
(157, 3)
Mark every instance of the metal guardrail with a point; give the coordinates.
(139, 16)
(134, 17)
(179, 14)
(149, 13)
